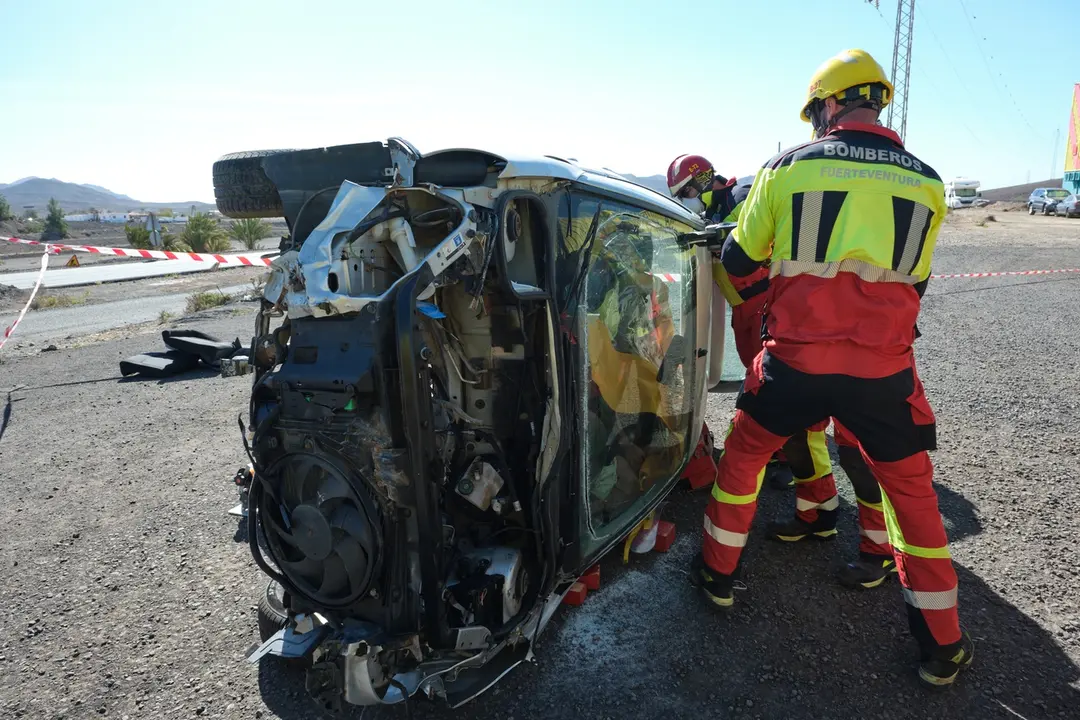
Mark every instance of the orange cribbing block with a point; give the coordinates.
(576, 595)
(665, 536)
(592, 578)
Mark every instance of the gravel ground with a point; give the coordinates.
(125, 593)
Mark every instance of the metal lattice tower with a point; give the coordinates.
(901, 66)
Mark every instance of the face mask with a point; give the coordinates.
(694, 204)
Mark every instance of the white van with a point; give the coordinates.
(961, 193)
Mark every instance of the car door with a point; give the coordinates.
(1037, 199)
(633, 304)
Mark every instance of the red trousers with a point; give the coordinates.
(808, 455)
(873, 536)
(894, 427)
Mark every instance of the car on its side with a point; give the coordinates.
(474, 375)
(1045, 200)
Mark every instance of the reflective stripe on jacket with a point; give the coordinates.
(848, 223)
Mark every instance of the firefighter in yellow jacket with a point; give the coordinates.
(848, 223)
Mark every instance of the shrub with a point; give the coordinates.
(172, 242)
(206, 300)
(137, 236)
(5, 210)
(203, 235)
(46, 302)
(56, 227)
(249, 232)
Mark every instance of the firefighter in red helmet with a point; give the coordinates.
(693, 181)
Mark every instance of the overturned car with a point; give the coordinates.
(474, 375)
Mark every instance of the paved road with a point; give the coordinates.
(54, 325)
(112, 272)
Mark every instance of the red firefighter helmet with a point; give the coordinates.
(689, 171)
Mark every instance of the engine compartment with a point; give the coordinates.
(398, 417)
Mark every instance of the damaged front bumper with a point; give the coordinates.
(346, 661)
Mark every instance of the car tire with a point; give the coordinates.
(1031, 209)
(271, 614)
(1045, 210)
(242, 188)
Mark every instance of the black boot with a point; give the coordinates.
(868, 571)
(945, 665)
(718, 588)
(796, 529)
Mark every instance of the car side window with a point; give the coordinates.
(633, 315)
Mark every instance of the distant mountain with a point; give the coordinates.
(656, 182)
(36, 192)
(118, 196)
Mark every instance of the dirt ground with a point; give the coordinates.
(12, 299)
(125, 592)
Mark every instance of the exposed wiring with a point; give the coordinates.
(406, 699)
(300, 213)
(450, 356)
(433, 218)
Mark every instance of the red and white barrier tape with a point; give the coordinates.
(37, 284)
(949, 276)
(1003, 274)
(231, 259)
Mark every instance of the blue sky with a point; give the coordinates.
(142, 96)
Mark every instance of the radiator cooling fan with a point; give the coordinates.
(320, 530)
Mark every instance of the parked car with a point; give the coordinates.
(1069, 207)
(487, 371)
(1045, 200)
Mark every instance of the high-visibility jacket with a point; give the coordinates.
(849, 223)
(737, 290)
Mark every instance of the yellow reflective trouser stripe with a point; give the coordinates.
(819, 451)
(819, 454)
(727, 498)
(931, 600)
(872, 506)
(897, 536)
(724, 537)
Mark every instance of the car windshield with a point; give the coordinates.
(1057, 194)
(964, 192)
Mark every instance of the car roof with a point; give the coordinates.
(526, 166)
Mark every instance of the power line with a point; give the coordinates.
(937, 40)
(930, 79)
(993, 79)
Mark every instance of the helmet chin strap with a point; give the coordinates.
(823, 125)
